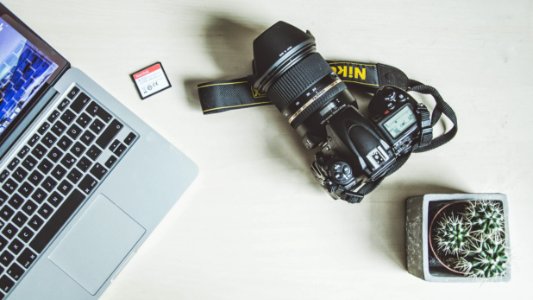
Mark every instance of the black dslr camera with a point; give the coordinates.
(355, 152)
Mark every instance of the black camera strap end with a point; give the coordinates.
(224, 95)
(352, 197)
(424, 122)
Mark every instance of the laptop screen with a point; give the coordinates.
(23, 71)
(28, 67)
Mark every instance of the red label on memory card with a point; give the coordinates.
(151, 80)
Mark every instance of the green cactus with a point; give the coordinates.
(485, 218)
(490, 260)
(475, 239)
(452, 235)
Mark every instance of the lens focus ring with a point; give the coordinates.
(298, 79)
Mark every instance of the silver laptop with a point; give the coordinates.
(83, 181)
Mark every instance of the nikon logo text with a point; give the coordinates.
(350, 71)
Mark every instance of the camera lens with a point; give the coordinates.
(297, 79)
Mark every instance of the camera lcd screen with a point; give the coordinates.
(24, 70)
(399, 122)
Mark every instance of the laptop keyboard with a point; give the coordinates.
(51, 175)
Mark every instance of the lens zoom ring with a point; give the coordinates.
(298, 79)
(328, 96)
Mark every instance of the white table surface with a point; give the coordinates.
(255, 224)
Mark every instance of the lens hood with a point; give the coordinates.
(276, 50)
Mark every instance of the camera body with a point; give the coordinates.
(358, 151)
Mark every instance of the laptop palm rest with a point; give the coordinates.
(96, 244)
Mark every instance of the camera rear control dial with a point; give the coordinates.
(387, 100)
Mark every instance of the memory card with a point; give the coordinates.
(150, 80)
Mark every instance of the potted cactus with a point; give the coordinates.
(458, 237)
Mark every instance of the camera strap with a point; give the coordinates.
(224, 95)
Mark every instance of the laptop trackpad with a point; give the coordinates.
(95, 246)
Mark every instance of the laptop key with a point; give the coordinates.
(29, 207)
(130, 138)
(96, 110)
(23, 152)
(4, 175)
(64, 143)
(19, 174)
(114, 145)
(48, 140)
(94, 152)
(83, 120)
(3, 197)
(45, 166)
(64, 187)
(80, 102)
(25, 189)
(35, 177)
(39, 151)
(44, 127)
(64, 103)
(36, 222)
(55, 199)
(73, 92)
(68, 160)
(26, 234)
(16, 246)
(84, 164)
(6, 284)
(39, 195)
(29, 163)
(56, 221)
(68, 116)
(10, 186)
(87, 184)
(49, 184)
(74, 131)
(74, 175)
(53, 116)
(111, 161)
(45, 211)
(26, 258)
(55, 154)
(78, 149)
(97, 126)
(19, 219)
(109, 133)
(6, 258)
(33, 140)
(16, 201)
(13, 164)
(15, 271)
(58, 128)
(6, 212)
(59, 172)
(98, 171)
(9, 231)
(87, 137)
